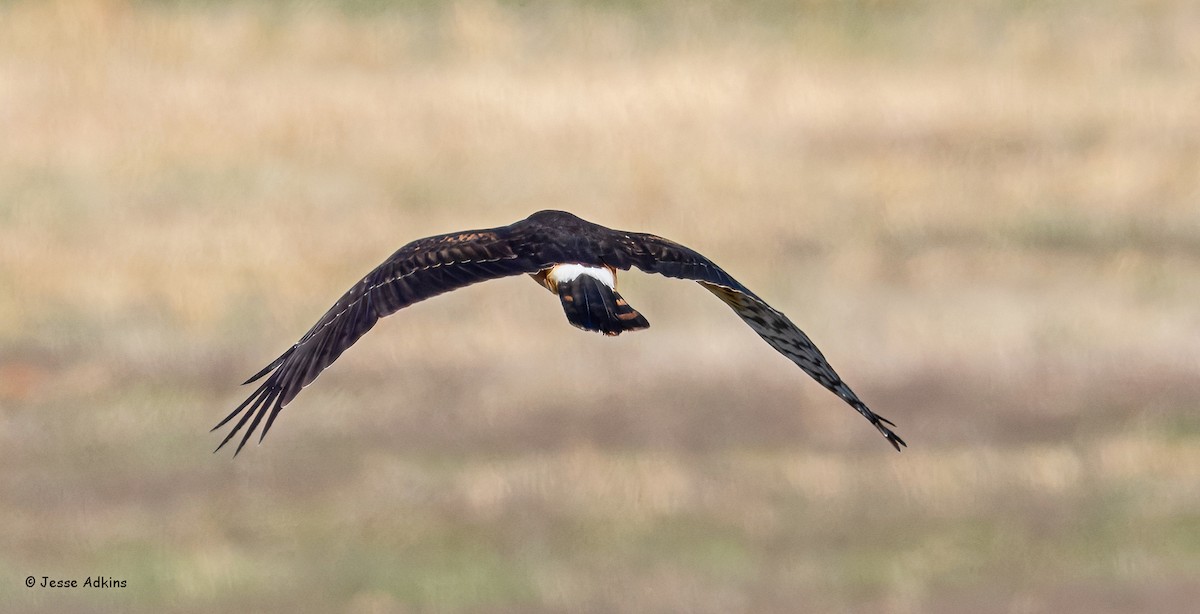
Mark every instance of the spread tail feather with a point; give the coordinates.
(592, 305)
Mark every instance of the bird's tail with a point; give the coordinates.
(592, 305)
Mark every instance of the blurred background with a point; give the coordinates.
(985, 213)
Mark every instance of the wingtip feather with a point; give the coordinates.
(888, 434)
(271, 367)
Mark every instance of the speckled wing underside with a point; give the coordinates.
(657, 255)
(417, 271)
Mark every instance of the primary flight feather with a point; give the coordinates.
(571, 257)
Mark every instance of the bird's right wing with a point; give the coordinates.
(655, 254)
(417, 271)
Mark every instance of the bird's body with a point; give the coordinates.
(573, 258)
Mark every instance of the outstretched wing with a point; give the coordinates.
(658, 255)
(417, 271)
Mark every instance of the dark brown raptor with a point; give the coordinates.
(572, 257)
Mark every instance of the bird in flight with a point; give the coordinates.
(571, 257)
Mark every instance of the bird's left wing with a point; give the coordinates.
(417, 271)
(655, 254)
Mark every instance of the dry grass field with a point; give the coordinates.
(986, 213)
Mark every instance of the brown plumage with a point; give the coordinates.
(547, 245)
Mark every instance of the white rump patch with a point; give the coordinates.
(563, 273)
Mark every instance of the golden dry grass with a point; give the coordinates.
(985, 214)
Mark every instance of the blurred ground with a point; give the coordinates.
(985, 213)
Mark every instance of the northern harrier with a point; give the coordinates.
(571, 257)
